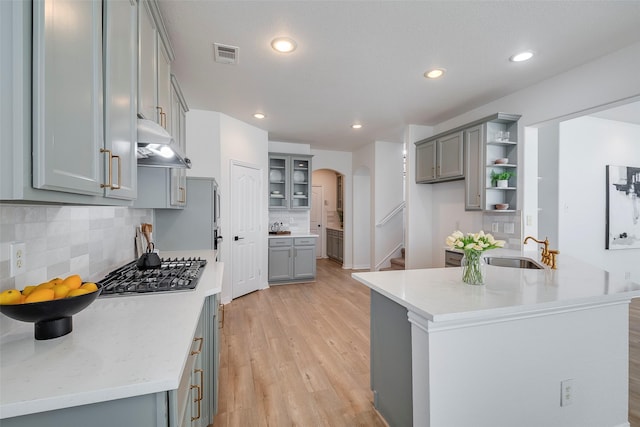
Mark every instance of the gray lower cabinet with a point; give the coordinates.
(292, 259)
(335, 244)
(391, 361)
(193, 404)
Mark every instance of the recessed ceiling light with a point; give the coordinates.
(434, 73)
(283, 44)
(356, 126)
(259, 116)
(522, 56)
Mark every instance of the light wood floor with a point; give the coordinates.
(298, 355)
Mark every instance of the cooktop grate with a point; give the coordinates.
(172, 275)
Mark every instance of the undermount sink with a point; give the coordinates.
(513, 262)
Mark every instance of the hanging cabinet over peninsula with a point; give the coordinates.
(473, 152)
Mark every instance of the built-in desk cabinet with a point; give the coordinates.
(335, 244)
(292, 260)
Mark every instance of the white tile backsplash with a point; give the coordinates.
(62, 240)
(513, 240)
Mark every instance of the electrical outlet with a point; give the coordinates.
(529, 220)
(18, 259)
(566, 392)
(494, 227)
(509, 227)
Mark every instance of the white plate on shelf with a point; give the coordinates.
(275, 175)
(298, 176)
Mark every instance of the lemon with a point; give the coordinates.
(39, 295)
(90, 286)
(28, 289)
(10, 296)
(60, 291)
(46, 285)
(73, 282)
(77, 292)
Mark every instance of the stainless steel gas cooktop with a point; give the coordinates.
(172, 275)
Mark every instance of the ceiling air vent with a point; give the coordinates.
(225, 54)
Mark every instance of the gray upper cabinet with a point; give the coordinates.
(289, 181)
(426, 162)
(67, 95)
(178, 115)
(472, 152)
(147, 63)
(120, 83)
(440, 158)
(474, 168)
(72, 137)
(449, 165)
(161, 100)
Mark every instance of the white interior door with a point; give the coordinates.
(246, 183)
(317, 225)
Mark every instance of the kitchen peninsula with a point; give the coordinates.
(128, 361)
(528, 348)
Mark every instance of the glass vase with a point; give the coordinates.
(473, 267)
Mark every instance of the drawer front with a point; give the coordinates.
(274, 243)
(452, 259)
(305, 241)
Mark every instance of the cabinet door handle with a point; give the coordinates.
(201, 372)
(109, 184)
(197, 401)
(162, 116)
(117, 187)
(183, 195)
(199, 350)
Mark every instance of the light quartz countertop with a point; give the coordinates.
(120, 346)
(293, 234)
(439, 295)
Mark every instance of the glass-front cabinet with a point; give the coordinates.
(289, 181)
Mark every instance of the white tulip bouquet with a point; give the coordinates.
(473, 244)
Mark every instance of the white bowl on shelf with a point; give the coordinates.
(501, 206)
(501, 161)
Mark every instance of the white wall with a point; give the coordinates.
(569, 93)
(418, 240)
(203, 143)
(362, 226)
(587, 145)
(249, 145)
(388, 195)
(364, 164)
(214, 141)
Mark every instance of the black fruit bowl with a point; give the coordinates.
(52, 318)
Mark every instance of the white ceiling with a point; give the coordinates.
(363, 61)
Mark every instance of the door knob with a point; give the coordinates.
(236, 238)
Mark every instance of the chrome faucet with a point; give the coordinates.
(548, 256)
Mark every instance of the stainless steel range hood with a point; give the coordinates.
(156, 148)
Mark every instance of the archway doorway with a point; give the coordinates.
(327, 213)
